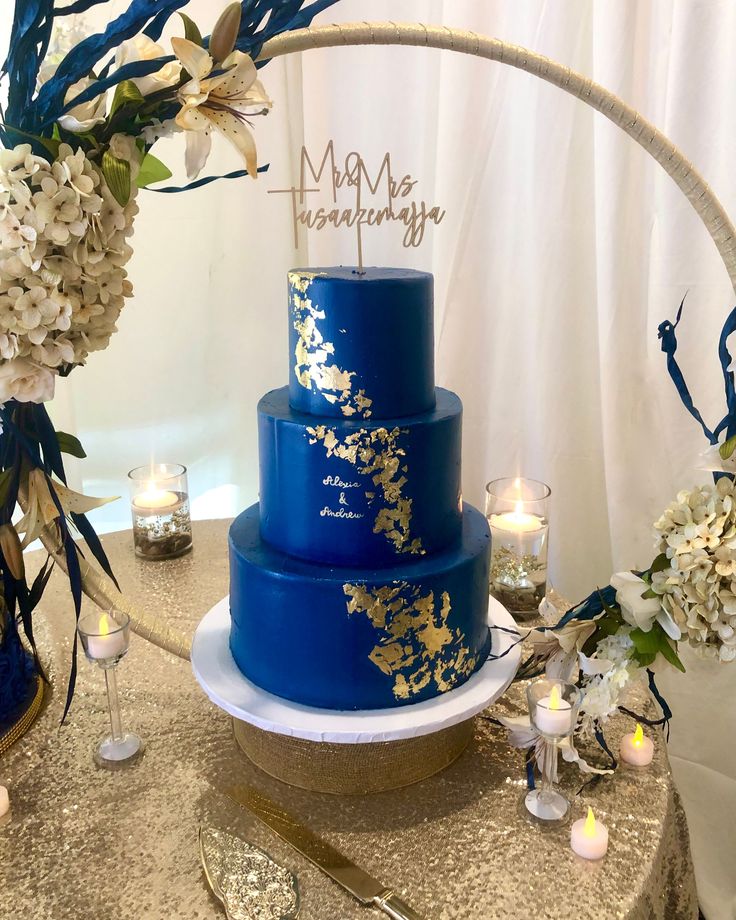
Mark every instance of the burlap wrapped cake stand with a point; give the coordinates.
(349, 752)
(88, 844)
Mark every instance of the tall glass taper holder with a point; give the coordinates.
(105, 639)
(518, 515)
(553, 710)
(159, 503)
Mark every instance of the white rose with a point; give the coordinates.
(641, 611)
(85, 115)
(26, 381)
(142, 48)
(123, 147)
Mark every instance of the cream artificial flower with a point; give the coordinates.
(86, 115)
(220, 102)
(63, 250)
(25, 381)
(142, 48)
(642, 611)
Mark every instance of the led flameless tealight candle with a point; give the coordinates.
(636, 749)
(589, 838)
(109, 643)
(4, 802)
(553, 714)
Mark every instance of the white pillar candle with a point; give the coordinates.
(636, 748)
(553, 715)
(589, 838)
(110, 642)
(4, 801)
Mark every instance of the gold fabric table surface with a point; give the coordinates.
(89, 844)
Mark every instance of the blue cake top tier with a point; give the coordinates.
(361, 344)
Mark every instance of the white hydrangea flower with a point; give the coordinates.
(63, 251)
(697, 533)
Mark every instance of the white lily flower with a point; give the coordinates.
(86, 115)
(217, 102)
(642, 611)
(142, 48)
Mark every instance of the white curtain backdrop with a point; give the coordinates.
(563, 248)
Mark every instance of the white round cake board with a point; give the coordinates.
(223, 682)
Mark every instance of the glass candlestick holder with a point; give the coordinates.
(105, 639)
(518, 515)
(159, 502)
(553, 711)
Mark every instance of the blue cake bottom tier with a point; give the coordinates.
(358, 638)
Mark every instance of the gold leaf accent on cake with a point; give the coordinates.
(415, 645)
(377, 454)
(312, 365)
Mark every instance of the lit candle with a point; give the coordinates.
(516, 521)
(636, 748)
(553, 715)
(4, 801)
(589, 838)
(110, 642)
(155, 500)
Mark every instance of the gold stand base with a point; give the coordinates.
(352, 769)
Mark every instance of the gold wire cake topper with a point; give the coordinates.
(358, 196)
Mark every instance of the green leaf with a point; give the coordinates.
(126, 93)
(191, 30)
(671, 655)
(152, 170)
(646, 642)
(727, 448)
(655, 642)
(5, 479)
(68, 444)
(645, 658)
(660, 563)
(117, 176)
(649, 594)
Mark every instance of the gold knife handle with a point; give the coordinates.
(392, 905)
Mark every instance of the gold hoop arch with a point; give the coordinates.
(693, 186)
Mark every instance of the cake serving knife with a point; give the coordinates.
(342, 870)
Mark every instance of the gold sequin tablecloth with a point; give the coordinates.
(88, 844)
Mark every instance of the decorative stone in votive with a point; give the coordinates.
(589, 837)
(636, 749)
(518, 515)
(159, 502)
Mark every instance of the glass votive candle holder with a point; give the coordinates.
(159, 502)
(553, 707)
(105, 640)
(553, 711)
(518, 515)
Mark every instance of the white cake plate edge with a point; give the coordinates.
(225, 685)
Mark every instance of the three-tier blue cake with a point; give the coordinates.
(360, 581)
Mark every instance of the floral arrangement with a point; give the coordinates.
(626, 632)
(82, 115)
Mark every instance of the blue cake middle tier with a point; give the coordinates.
(360, 492)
